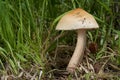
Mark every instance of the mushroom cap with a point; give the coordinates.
(77, 19)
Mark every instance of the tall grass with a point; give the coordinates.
(27, 30)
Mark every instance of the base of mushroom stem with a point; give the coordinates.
(71, 69)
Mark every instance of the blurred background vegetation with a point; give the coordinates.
(29, 42)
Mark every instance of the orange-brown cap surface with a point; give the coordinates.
(77, 19)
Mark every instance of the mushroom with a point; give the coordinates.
(79, 20)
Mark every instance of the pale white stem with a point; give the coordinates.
(79, 51)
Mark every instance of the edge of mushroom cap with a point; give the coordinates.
(77, 19)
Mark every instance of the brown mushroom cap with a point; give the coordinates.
(77, 19)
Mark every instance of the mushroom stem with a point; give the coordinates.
(79, 51)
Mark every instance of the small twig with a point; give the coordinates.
(76, 75)
(34, 76)
(20, 75)
(40, 74)
(115, 67)
(101, 69)
(86, 71)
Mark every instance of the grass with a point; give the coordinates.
(29, 43)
